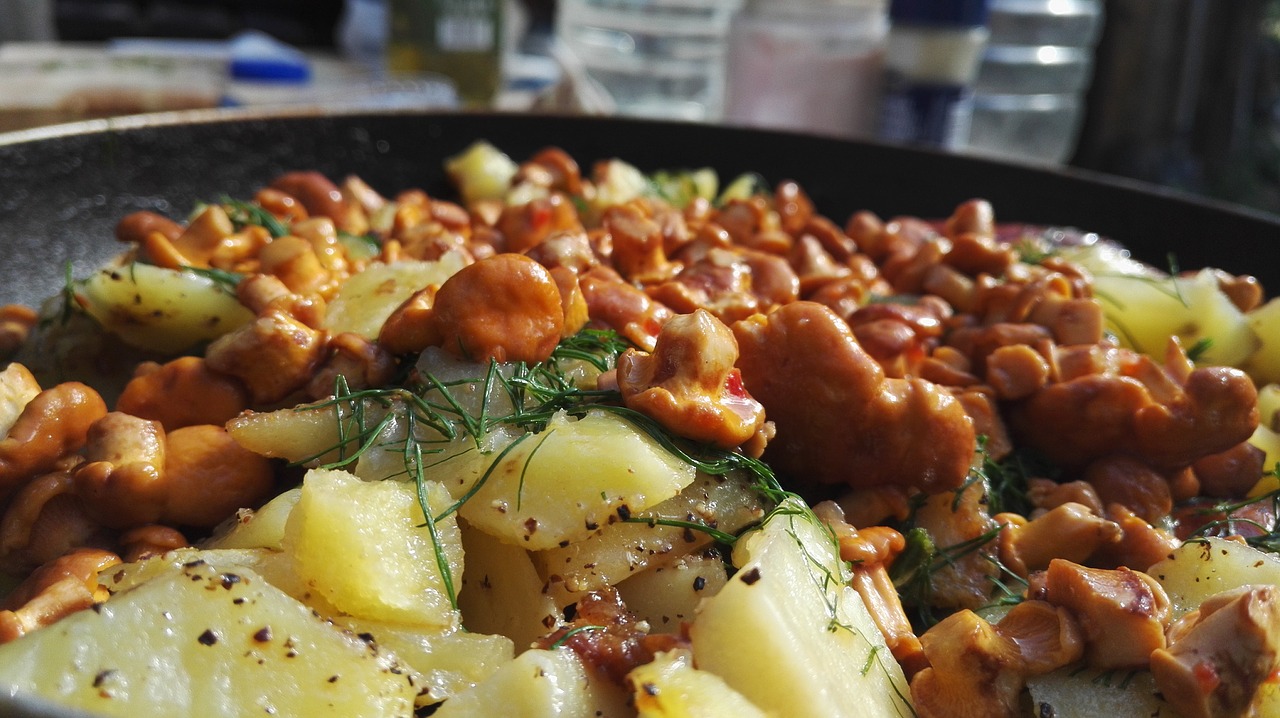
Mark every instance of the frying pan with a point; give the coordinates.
(62, 189)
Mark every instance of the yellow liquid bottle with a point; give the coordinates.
(461, 39)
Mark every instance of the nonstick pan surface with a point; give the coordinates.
(62, 190)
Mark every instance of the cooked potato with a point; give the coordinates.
(263, 528)
(365, 549)
(620, 550)
(159, 309)
(502, 591)
(1264, 364)
(540, 684)
(481, 171)
(670, 687)
(788, 620)
(564, 483)
(668, 596)
(195, 640)
(1075, 692)
(1201, 568)
(443, 663)
(366, 299)
(1145, 311)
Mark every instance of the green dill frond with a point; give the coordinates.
(244, 214)
(573, 632)
(1197, 351)
(226, 281)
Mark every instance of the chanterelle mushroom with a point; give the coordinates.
(1221, 654)
(839, 418)
(689, 383)
(1122, 613)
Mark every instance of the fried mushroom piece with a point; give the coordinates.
(608, 638)
(1140, 409)
(54, 423)
(505, 308)
(135, 473)
(839, 419)
(1122, 613)
(974, 671)
(1221, 654)
(274, 356)
(689, 384)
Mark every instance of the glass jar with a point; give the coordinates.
(460, 39)
(812, 66)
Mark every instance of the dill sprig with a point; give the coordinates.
(227, 281)
(913, 571)
(244, 214)
(1266, 538)
(1005, 481)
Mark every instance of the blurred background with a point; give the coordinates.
(1182, 93)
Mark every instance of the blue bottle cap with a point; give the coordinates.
(939, 13)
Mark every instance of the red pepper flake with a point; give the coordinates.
(1207, 676)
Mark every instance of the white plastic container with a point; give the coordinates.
(656, 58)
(812, 65)
(934, 51)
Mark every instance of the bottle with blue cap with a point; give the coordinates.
(934, 50)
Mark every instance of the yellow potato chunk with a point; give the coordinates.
(564, 483)
(366, 299)
(540, 684)
(195, 640)
(363, 546)
(160, 309)
(788, 621)
(1201, 568)
(670, 687)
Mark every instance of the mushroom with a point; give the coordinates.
(274, 355)
(1221, 654)
(974, 672)
(689, 384)
(839, 419)
(1122, 612)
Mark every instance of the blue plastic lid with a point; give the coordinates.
(259, 57)
(939, 13)
(269, 70)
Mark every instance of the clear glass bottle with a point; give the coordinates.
(655, 58)
(460, 39)
(813, 66)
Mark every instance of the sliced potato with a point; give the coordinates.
(159, 309)
(541, 684)
(1201, 568)
(670, 687)
(621, 550)
(366, 299)
(668, 596)
(443, 663)
(364, 547)
(564, 483)
(481, 171)
(194, 640)
(502, 591)
(1076, 692)
(1144, 312)
(263, 528)
(787, 621)
(1264, 364)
